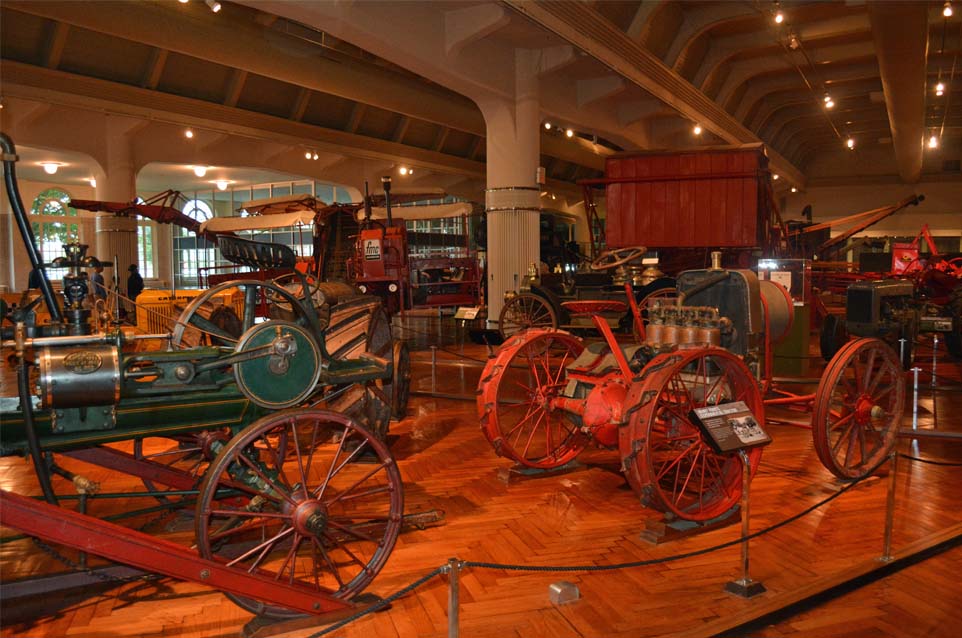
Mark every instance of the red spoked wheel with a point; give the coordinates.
(858, 407)
(515, 400)
(188, 453)
(666, 459)
(313, 514)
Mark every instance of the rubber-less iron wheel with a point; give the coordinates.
(665, 457)
(314, 516)
(515, 395)
(526, 311)
(858, 408)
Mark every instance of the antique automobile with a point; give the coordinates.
(257, 429)
(546, 395)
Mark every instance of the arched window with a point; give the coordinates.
(52, 226)
(193, 256)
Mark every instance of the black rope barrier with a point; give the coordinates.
(592, 568)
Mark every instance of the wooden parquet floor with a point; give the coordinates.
(586, 517)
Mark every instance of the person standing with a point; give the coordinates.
(97, 288)
(135, 283)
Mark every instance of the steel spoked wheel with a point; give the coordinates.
(665, 457)
(858, 407)
(515, 400)
(525, 312)
(314, 516)
(248, 301)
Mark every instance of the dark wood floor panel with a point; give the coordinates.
(588, 516)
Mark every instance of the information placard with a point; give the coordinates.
(730, 427)
(467, 312)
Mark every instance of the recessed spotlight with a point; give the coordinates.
(307, 155)
(696, 130)
(569, 133)
(200, 171)
(189, 134)
(939, 87)
(947, 9)
(222, 184)
(93, 182)
(794, 190)
(183, 1)
(547, 126)
(829, 104)
(933, 142)
(314, 156)
(403, 170)
(775, 176)
(51, 168)
(213, 4)
(850, 143)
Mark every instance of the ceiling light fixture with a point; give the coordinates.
(51, 168)
(213, 4)
(947, 9)
(222, 184)
(547, 126)
(307, 155)
(315, 156)
(850, 143)
(696, 130)
(189, 134)
(93, 182)
(775, 176)
(933, 142)
(569, 133)
(829, 104)
(200, 171)
(403, 170)
(940, 86)
(778, 16)
(183, 1)
(794, 190)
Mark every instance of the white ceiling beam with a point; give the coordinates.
(469, 24)
(698, 21)
(251, 47)
(585, 28)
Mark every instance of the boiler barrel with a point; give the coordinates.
(781, 310)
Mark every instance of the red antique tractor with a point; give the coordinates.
(547, 395)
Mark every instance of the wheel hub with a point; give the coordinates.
(310, 518)
(866, 410)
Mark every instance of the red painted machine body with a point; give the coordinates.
(719, 198)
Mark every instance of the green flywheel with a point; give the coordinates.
(285, 367)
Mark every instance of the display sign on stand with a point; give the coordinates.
(730, 427)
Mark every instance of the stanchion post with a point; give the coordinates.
(434, 369)
(915, 397)
(745, 586)
(453, 570)
(935, 355)
(890, 507)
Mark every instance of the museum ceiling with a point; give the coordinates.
(622, 75)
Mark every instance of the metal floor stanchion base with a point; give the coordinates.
(746, 588)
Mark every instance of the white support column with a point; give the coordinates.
(117, 236)
(512, 199)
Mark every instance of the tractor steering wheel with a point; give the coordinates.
(617, 257)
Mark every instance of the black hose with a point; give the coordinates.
(26, 232)
(33, 443)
